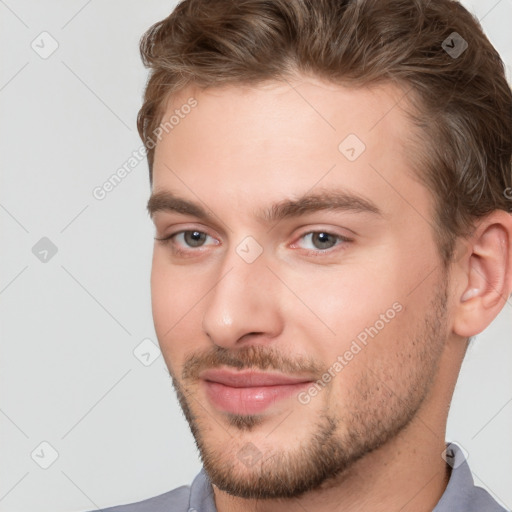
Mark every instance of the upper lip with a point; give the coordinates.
(249, 378)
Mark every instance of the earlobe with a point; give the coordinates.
(487, 273)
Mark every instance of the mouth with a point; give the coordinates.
(249, 392)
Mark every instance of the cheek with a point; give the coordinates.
(357, 317)
(345, 300)
(175, 296)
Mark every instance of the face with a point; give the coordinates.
(297, 292)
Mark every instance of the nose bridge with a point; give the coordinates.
(241, 302)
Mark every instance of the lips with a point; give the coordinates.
(249, 392)
(250, 378)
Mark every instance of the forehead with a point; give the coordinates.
(286, 112)
(277, 138)
(325, 106)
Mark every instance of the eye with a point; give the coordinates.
(321, 240)
(192, 238)
(186, 239)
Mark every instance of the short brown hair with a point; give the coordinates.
(462, 104)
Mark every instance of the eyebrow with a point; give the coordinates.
(336, 200)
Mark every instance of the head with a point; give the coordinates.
(332, 184)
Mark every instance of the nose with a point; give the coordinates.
(243, 307)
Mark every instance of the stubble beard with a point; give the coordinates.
(335, 441)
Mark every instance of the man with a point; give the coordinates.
(331, 193)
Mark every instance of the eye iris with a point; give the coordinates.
(323, 240)
(194, 238)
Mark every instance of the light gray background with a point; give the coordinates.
(69, 326)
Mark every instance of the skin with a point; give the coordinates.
(381, 420)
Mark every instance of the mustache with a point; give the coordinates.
(249, 357)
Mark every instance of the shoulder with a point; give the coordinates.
(197, 496)
(176, 500)
(483, 501)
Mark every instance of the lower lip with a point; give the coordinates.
(249, 400)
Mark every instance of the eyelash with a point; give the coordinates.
(341, 240)
(168, 240)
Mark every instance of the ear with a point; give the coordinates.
(484, 274)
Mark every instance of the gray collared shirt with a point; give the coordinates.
(460, 495)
